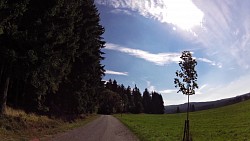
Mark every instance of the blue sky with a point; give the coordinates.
(145, 38)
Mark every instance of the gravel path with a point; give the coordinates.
(105, 128)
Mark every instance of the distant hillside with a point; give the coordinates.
(197, 106)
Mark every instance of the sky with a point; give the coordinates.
(145, 38)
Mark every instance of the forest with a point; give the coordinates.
(118, 99)
(50, 62)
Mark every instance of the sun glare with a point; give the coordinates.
(183, 14)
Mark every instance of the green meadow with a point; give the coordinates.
(229, 123)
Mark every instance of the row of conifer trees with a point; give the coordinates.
(121, 99)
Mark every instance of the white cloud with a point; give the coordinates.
(226, 31)
(237, 87)
(219, 26)
(174, 91)
(105, 81)
(205, 60)
(213, 63)
(212, 92)
(200, 90)
(181, 13)
(124, 11)
(158, 59)
(116, 73)
(150, 87)
(168, 91)
(224, 37)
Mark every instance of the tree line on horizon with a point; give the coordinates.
(119, 99)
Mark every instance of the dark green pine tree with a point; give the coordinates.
(10, 49)
(109, 102)
(146, 100)
(51, 43)
(83, 84)
(161, 105)
(108, 84)
(114, 86)
(130, 106)
(157, 103)
(124, 98)
(154, 103)
(138, 107)
(119, 96)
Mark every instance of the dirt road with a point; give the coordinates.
(105, 128)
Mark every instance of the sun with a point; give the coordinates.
(182, 13)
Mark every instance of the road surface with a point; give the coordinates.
(105, 128)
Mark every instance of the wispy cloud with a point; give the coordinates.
(213, 63)
(158, 59)
(116, 73)
(214, 92)
(150, 87)
(226, 31)
(181, 13)
(124, 11)
(174, 91)
(210, 92)
(201, 89)
(219, 26)
(168, 91)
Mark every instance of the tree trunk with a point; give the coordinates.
(1, 72)
(4, 92)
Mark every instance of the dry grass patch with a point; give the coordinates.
(18, 125)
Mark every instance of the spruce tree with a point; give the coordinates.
(130, 106)
(84, 81)
(138, 107)
(161, 105)
(124, 98)
(157, 103)
(109, 102)
(52, 42)
(146, 101)
(10, 49)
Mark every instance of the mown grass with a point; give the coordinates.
(17, 125)
(230, 123)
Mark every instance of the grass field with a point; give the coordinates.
(230, 123)
(20, 126)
